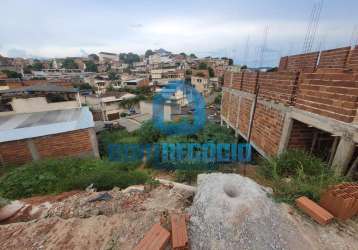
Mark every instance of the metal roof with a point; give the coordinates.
(41, 88)
(30, 125)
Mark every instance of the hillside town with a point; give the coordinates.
(166, 148)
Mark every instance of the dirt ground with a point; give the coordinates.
(75, 223)
(71, 221)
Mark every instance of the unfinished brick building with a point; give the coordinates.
(51, 134)
(310, 103)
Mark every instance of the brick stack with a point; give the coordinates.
(157, 238)
(341, 200)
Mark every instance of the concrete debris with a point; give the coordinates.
(134, 189)
(230, 211)
(75, 223)
(101, 197)
(10, 210)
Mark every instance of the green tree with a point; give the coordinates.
(203, 65)
(37, 66)
(148, 53)
(93, 57)
(183, 54)
(192, 55)
(12, 74)
(211, 72)
(91, 67)
(274, 69)
(69, 63)
(129, 58)
(112, 76)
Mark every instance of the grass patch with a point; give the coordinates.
(56, 176)
(296, 173)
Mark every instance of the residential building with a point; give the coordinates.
(107, 57)
(170, 109)
(135, 83)
(200, 80)
(107, 107)
(38, 98)
(310, 104)
(48, 134)
(163, 75)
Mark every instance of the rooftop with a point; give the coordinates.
(30, 125)
(51, 88)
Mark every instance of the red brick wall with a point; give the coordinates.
(237, 80)
(249, 82)
(353, 59)
(301, 136)
(245, 111)
(227, 79)
(303, 62)
(331, 95)
(283, 64)
(233, 109)
(15, 152)
(277, 87)
(267, 128)
(143, 83)
(225, 104)
(334, 58)
(64, 144)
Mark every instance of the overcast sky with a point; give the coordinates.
(55, 28)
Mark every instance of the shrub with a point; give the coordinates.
(56, 176)
(188, 171)
(296, 173)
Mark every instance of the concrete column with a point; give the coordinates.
(343, 155)
(286, 134)
(94, 142)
